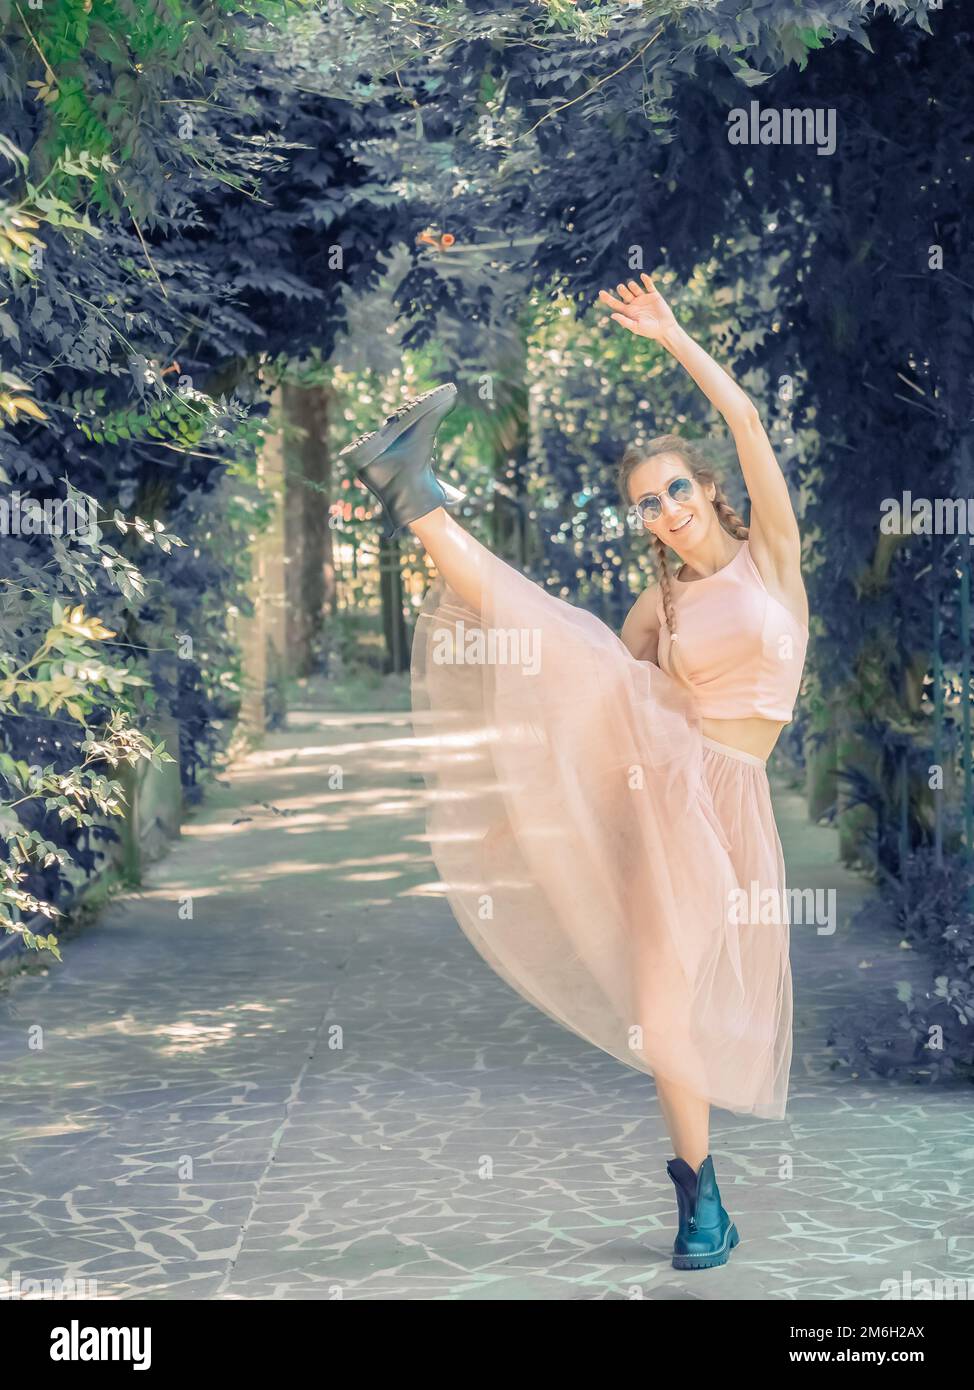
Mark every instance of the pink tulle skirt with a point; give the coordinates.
(618, 869)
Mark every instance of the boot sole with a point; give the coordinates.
(719, 1257)
(362, 451)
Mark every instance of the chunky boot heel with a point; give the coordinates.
(706, 1234)
(394, 461)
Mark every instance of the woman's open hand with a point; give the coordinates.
(641, 309)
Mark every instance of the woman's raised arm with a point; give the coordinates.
(773, 526)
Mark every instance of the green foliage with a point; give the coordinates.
(100, 68)
(159, 236)
(64, 675)
(184, 420)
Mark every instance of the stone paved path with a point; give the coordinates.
(314, 1088)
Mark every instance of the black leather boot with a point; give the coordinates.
(706, 1234)
(394, 461)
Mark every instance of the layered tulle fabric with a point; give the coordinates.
(598, 852)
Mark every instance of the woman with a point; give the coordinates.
(601, 817)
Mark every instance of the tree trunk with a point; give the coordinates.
(857, 824)
(820, 764)
(308, 538)
(393, 621)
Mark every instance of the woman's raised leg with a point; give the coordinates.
(458, 556)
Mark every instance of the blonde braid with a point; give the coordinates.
(727, 516)
(669, 612)
(663, 570)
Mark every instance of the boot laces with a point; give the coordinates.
(396, 414)
(408, 404)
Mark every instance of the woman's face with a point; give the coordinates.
(682, 523)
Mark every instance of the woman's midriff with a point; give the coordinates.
(755, 736)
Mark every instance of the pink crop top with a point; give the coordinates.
(741, 649)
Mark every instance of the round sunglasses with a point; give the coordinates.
(649, 508)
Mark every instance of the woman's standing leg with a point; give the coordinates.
(687, 1119)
